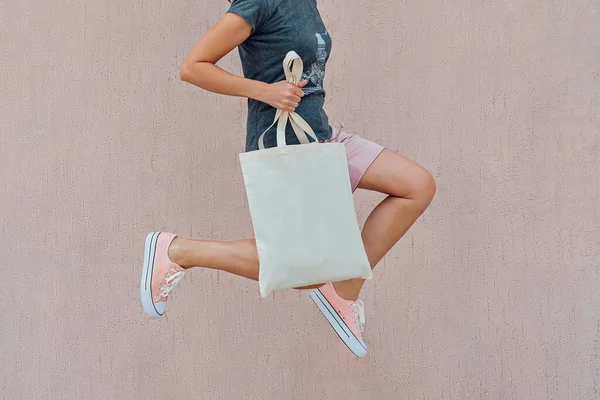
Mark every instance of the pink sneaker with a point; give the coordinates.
(160, 275)
(347, 318)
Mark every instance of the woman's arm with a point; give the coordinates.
(200, 67)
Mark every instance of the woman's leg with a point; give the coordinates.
(410, 189)
(238, 257)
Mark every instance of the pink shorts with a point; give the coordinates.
(360, 153)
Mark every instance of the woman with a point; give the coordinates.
(264, 31)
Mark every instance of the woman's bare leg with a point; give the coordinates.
(238, 257)
(410, 189)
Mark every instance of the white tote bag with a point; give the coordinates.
(301, 206)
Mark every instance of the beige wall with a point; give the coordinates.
(495, 294)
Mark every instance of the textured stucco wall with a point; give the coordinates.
(495, 294)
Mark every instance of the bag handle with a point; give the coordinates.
(293, 68)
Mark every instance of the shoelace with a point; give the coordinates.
(358, 309)
(170, 282)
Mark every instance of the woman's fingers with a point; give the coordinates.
(290, 106)
(292, 98)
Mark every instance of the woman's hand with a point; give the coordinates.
(283, 95)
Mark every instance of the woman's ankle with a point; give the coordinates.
(349, 290)
(179, 253)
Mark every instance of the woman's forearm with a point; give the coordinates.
(209, 77)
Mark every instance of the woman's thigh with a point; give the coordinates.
(395, 175)
(373, 167)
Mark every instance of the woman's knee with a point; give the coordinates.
(424, 188)
(397, 176)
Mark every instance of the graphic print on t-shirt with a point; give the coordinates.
(315, 73)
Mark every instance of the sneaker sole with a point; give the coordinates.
(146, 283)
(338, 324)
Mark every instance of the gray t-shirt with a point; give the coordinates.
(280, 26)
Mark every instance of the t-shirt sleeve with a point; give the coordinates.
(255, 12)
